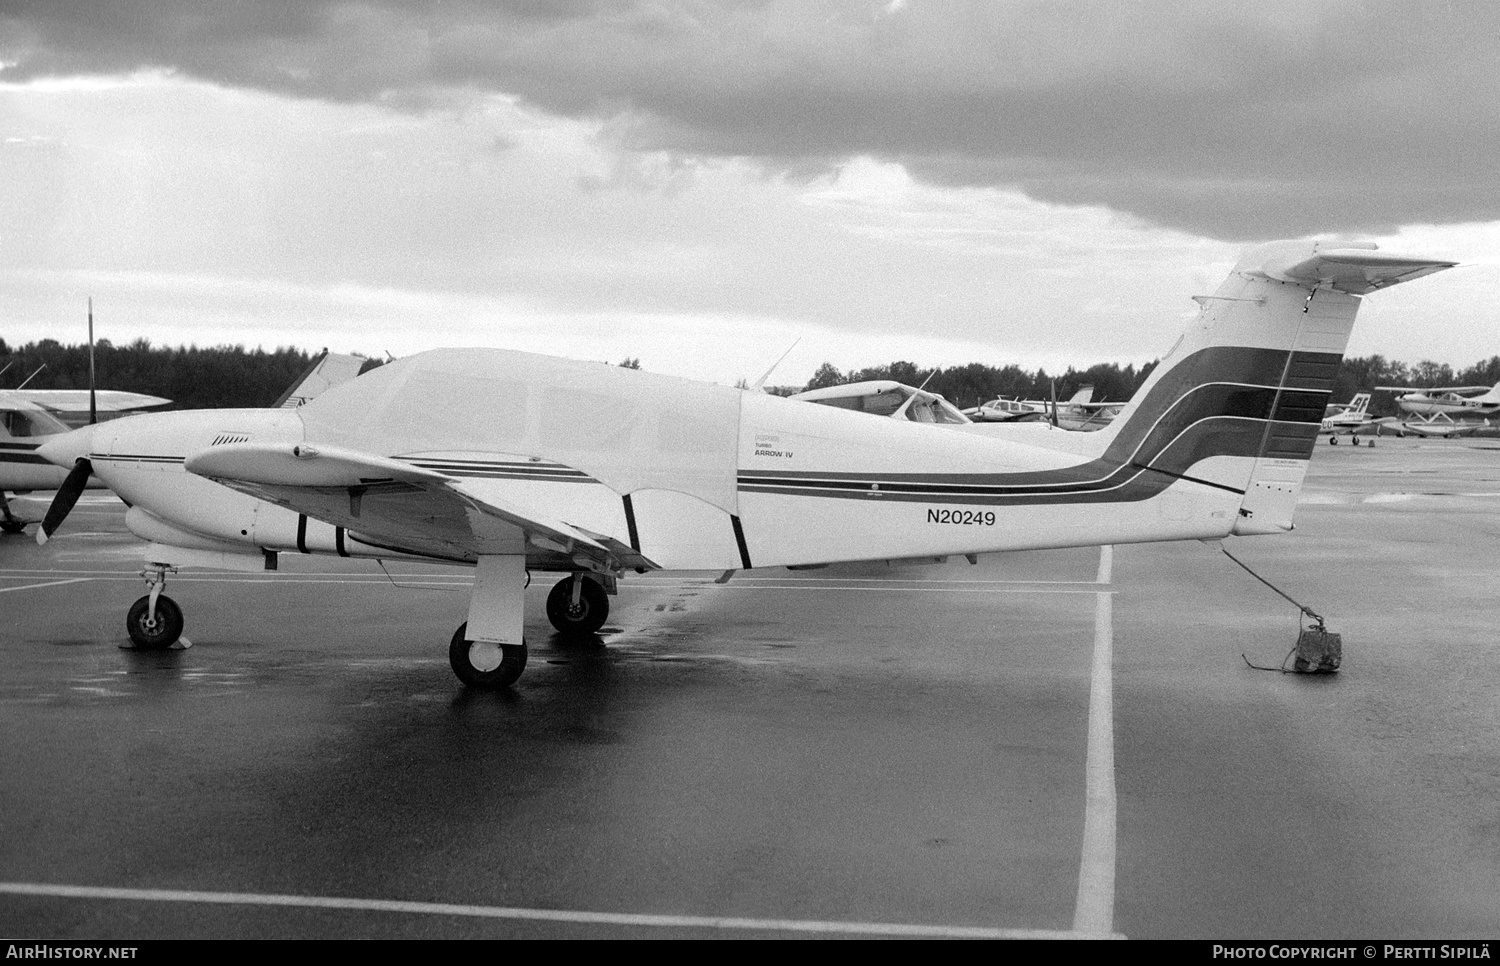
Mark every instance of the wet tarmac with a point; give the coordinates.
(1067, 743)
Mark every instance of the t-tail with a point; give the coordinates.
(1238, 402)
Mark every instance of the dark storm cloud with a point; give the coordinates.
(1231, 120)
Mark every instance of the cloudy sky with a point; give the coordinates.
(704, 184)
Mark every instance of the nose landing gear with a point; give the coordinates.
(154, 622)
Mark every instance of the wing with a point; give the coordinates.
(392, 504)
(76, 401)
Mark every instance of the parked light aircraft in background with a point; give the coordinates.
(1458, 402)
(886, 397)
(1440, 425)
(25, 426)
(1008, 410)
(1077, 413)
(479, 457)
(1347, 419)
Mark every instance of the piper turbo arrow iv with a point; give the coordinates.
(514, 463)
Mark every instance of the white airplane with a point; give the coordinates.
(25, 425)
(1440, 425)
(886, 397)
(1082, 414)
(1455, 401)
(1006, 409)
(1079, 413)
(516, 463)
(1348, 419)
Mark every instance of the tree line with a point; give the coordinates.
(976, 383)
(225, 376)
(193, 377)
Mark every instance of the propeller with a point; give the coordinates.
(77, 479)
(93, 407)
(67, 495)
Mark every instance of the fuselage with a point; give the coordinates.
(1449, 404)
(695, 476)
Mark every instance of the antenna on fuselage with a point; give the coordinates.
(32, 376)
(759, 384)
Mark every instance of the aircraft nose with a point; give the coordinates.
(65, 449)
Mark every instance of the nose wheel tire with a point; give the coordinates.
(481, 664)
(580, 619)
(156, 634)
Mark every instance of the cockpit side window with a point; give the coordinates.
(26, 423)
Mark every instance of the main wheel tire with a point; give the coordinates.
(479, 664)
(584, 619)
(158, 634)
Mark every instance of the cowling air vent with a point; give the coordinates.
(223, 438)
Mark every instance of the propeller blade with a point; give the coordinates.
(62, 503)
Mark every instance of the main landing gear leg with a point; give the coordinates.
(488, 650)
(155, 621)
(578, 606)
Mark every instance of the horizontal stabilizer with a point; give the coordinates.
(1353, 267)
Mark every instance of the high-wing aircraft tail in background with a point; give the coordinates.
(329, 369)
(480, 457)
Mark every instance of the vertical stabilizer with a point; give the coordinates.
(1237, 403)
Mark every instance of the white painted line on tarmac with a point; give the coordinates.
(50, 583)
(537, 915)
(1094, 913)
